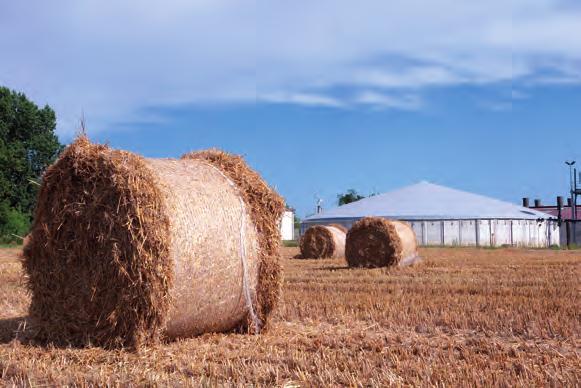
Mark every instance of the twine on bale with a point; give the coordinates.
(125, 250)
(265, 207)
(377, 242)
(247, 296)
(323, 241)
(257, 324)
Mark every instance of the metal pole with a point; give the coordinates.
(574, 194)
(559, 210)
(575, 206)
(572, 191)
(571, 176)
(572, 187)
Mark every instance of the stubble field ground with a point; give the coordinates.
(462, 317)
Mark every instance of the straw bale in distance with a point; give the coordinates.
(340, 227)
(323, 241)
(377, 242)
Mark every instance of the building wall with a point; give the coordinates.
(566, 211)
(520, 233)
(496, 233)
(287, 227)
(434, 233)
(451, 233)
(501, 233)
(484, 230)
(555, 234)
(468, 233)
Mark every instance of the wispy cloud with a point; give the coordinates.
(306, 99)
(412, 77)
(383, 101)
(112, 59)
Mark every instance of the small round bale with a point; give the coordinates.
(376, 242)
(323, 241)
(126, 250)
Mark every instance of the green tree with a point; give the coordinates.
(28, 144)
(350, 196)
(297, 221)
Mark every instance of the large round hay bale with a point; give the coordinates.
(125, 250)
(377, 242)
(323, 241)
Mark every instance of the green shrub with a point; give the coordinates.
(13, 223)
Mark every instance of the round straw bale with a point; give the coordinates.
(340, 227)
(124, 249)
(377, 242)
(323, 241)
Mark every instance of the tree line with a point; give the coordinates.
(28, 145)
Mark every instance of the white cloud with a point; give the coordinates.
(412, 77)
(114, 59)
(382, 101)
(369, 98)
(301, 99)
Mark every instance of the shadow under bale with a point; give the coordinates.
(12, 328)
(125, 250)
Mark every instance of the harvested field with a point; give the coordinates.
(461, 317)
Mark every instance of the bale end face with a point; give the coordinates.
(317, 243)
(96, 259)
(373, 242)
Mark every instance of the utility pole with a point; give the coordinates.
(572, 230)
(576, 192)
(573, 184)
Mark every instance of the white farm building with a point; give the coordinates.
(443, 216)
(287, 224)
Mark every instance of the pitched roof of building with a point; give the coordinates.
(426, 200)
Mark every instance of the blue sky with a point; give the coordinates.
(320, 96)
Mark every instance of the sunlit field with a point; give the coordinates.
(461, 317)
